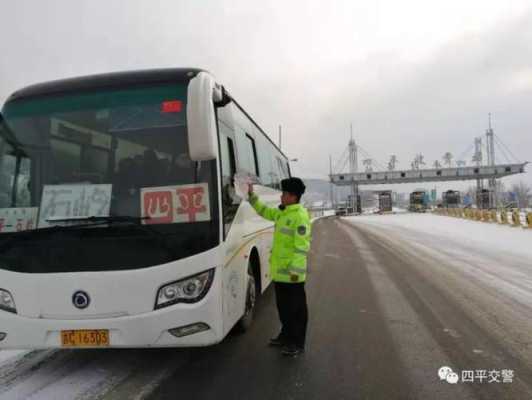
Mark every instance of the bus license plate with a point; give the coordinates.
(85, 338)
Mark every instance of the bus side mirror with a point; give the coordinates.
(1, 124)
(202, 134)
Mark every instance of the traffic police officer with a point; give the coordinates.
(288, 262)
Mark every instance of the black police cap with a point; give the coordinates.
(293, 185)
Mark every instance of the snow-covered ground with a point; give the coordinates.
(481, 235)
(9, 355)
(83, 374)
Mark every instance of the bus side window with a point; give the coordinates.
(252, 151)
(230, 201)
(232, 158)
(273, 174)
(14, 177)
(283, 169)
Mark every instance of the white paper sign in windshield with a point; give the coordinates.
(176, 204)
(242, 182)
(18, 219)
(74, 201)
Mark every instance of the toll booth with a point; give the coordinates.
(341, 209)
(385, 201)
(353, 207)
(451, 199)
(418, 201)
(483, 199)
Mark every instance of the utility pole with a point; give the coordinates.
(330, 183)
(477, 158)
(280, 133)
(492, 182)
(353, 169)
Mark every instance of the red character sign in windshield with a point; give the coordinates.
(158, 205)
(191, 201)
(176, 204)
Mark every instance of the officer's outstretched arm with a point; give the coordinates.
(262, 209)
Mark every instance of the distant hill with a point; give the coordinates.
(319, 190)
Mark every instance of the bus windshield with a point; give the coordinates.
(118, 155)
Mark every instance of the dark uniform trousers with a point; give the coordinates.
(292, 306)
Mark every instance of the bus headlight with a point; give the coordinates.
(6, 301)
(188, 290)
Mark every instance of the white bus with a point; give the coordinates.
(119, 223)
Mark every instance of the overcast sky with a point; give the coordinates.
(412, 76)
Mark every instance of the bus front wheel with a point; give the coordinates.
(251, 297)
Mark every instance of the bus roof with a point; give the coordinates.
(118, 80)
(105, 81)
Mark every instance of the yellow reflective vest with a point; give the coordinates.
(291, 240)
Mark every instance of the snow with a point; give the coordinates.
(481, 235)
(79, 374)
(485, 267)
(399, 210)
(9, 355)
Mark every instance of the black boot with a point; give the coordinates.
(291, 350)
(276, 341)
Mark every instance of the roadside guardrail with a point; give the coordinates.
(513, 217)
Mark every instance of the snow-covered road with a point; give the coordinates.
(83, 374)
(486, 268)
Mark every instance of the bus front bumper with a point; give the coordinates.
(144, 330)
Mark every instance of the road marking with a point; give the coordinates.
(332, 255)
(452, 332)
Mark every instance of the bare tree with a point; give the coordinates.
(392, 163)
(368, 163)
(522, 193)
(420, 160)
(448, 159)
(436, 164)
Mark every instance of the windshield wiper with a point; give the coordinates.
(98, 219)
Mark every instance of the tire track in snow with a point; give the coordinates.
(439, 291)
(84, 374)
